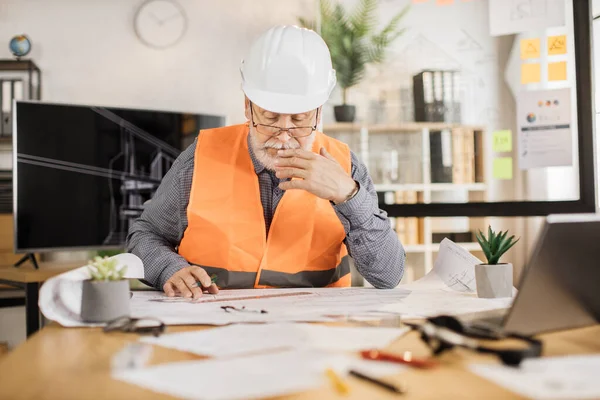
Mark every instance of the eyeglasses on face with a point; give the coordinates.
(273, 130)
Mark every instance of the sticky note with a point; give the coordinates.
(444, 2)
(557, 71)
(503, 168)
(530, 48)
(557, 45)
(530, 73)
(502, 141)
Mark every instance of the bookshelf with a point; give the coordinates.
(436, 162)
(434, 187)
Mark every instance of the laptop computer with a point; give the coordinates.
(560, 286)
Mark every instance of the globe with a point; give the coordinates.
(20, 45)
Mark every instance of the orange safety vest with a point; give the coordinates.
(226, 227)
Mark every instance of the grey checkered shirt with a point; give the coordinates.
(154, 237)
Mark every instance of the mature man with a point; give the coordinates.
(273, 202)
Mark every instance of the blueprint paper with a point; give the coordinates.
(250, 377)
(239, 339)
(565, 377)
(300, 305)
(515, 16)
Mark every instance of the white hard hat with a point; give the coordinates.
(288, 70)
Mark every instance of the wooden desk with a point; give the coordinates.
(74, 363)
(29, 279)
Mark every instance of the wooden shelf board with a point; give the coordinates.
(409, 127)
(435, 187)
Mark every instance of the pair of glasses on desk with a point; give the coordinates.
(242, 309)
(156, 327)
(136, 325)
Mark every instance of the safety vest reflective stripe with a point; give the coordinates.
(245, 280)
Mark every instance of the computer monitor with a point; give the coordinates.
(82, 173)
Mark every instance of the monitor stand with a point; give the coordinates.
(28, 256)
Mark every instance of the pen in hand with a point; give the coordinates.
(213, 279)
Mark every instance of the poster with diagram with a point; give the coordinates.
(544, 121)
(515, 16)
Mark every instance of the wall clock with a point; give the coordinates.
(160, 23)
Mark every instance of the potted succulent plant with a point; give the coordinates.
(494, 279)
(353, 43)
(105, 296)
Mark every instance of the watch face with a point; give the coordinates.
(160, 23)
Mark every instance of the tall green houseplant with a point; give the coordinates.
(353, 39)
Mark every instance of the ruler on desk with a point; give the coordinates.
(216, 299)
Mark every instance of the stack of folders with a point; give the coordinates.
(436, 96)
(5, 192)
(9, 89)
(453, 156)
(409, 229)
(5, 176)
(463, 155)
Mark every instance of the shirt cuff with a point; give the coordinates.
(358, 209)
(169, 270)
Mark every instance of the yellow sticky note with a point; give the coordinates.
(444, 2)
(502, 141)
(503, 168)
(530, 73)
(530, 48)
(557, 45)
(557, 71)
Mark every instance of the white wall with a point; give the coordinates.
(88, 51)
(89, 54)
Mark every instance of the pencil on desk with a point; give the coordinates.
(337, 382)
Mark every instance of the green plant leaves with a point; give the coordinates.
(495, 245)
(485, 246)
(364, 18)
(105, 269)
(352, 38)
(381, 41)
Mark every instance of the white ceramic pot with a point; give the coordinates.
(104, 301)
(494, 281)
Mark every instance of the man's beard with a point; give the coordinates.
(260, 149)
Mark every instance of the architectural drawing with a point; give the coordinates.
(525, 9)
(467, 42)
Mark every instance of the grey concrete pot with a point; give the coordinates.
(494, 281)
(344, 113)
(104, 301)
